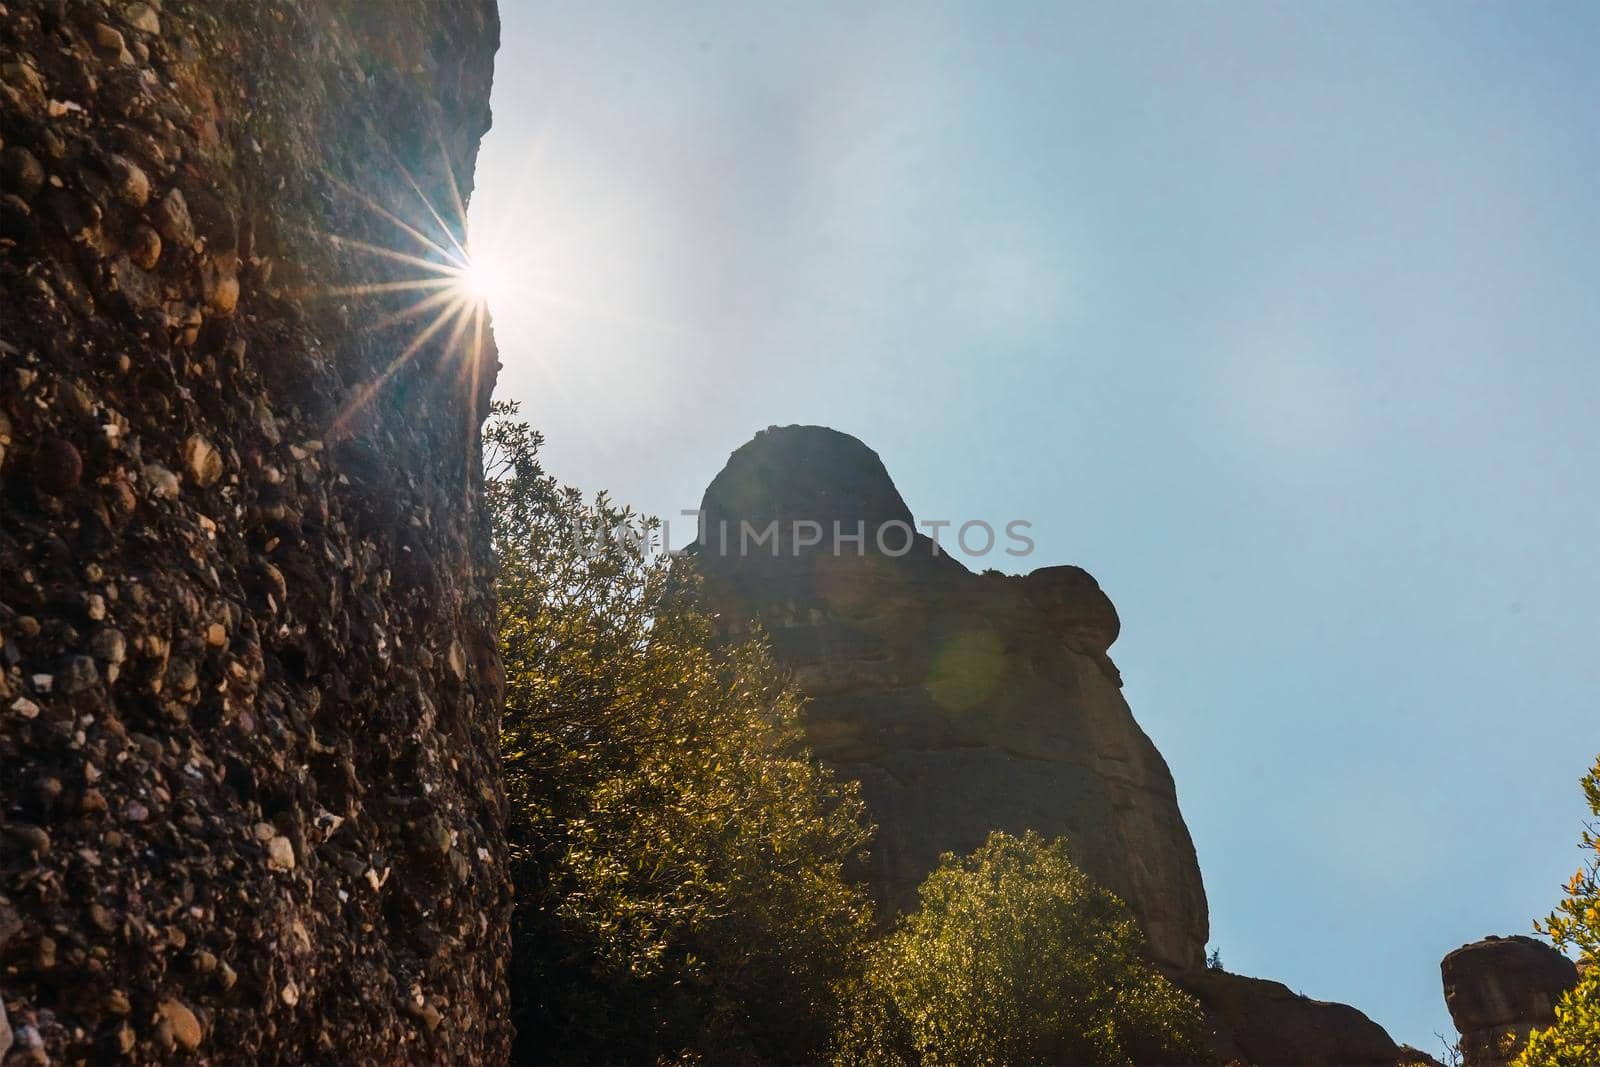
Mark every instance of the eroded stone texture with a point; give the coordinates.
(1259, 1023)
(1501, 989)
(250, 813)
(965, 703)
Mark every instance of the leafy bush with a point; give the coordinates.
(1574, 1040)
(1016, 957)
(678, 857)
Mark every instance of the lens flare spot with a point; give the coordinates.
(967, 670)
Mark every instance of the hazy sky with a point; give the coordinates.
(1281, 319)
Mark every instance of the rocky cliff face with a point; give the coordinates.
(964, 703)
(1501, 989)
(248, 687)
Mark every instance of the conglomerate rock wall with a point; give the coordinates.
(248, 686)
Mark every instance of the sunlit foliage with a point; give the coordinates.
(1574, 1041)
(1016, 957)
(678, 858)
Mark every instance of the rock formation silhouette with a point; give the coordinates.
(967, 702)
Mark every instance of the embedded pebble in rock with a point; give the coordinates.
(30, 838)
(57, 467)
(280, 853)
(25, 83)
(142, 17)
(79, 674)
(221, 290)
(185, 1027)
(265, 421)
(109, 39)
(132, 184)
(430, 1015)
(108, 644)
(201, 459)
(22, 172)
(161, 483)
(46, 791)
(181, 675)
(144, 247)
(249, 792)
(173, 221)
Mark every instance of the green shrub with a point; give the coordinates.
(1574, 1040)
(1016, 957)
(678, 857)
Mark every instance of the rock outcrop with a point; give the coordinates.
(248, 685)
(964, 703)
(1265, 1024)
(1501, 989)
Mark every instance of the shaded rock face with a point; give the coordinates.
(248, 686)
(1265, 1024)
(1501, 989)
(962, 703)
(965, 703)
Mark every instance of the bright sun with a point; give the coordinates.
(452, 290)
(483, 280)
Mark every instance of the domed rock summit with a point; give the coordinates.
(1501, 989)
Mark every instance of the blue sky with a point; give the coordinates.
(1280, 319)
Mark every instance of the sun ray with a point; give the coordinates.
(462, 310)
(431, 265)
(451, 297)
(456, 200)
(371, 389)
(450, 310)
(405, 227)
(445, 226)
(375, 288)
(460, 255)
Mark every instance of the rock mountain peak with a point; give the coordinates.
(804, 473)
(964, 703)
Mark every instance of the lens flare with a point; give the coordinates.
(449, 289)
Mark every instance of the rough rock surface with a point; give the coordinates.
(1501, 989)
(963, 703)
(248, 687)
(1265, 1024)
